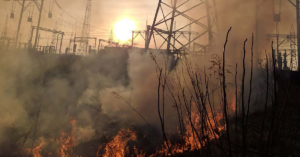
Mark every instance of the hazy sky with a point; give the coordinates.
(105, 13)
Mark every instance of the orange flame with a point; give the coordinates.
(36, 152)
(212, 130)
(67, 141)
(117, 147)
(232, 106)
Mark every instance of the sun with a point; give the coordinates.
(123, 29)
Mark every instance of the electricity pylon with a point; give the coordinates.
(85, 34)
(24, 7)
(200, 15)
(56, 27)
(297, 6)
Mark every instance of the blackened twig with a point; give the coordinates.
(243, 102)
(224, 92)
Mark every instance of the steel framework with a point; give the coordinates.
(84, 40)
(283, 42)
(297, 6)
(24, 7)
(188, 13)
(85, 34)
(135, 34)
(56, 27)
(47, 30)
(112, 43)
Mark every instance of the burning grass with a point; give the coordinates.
(119, 146)
(211, 120)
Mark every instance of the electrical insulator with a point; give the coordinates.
(277, 18)
(12, 15)
(74, 48)
(50, 15)
(29, 19)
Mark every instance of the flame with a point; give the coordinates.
(36, 152)
(118, 146)
(232, 106)
(139, 153)
(67, 141)
(212, 130)
(199, 129)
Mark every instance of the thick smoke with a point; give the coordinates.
(51, 89)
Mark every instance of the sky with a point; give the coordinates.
(104, 15)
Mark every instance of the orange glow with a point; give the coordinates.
(36, 152)
(67, 141)
(191, 142)
(212, 129)
(118, 146)
(123, 29)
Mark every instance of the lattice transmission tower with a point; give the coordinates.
(55, 36)
(199, 15)
(85, 34)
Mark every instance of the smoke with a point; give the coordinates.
(49, 89)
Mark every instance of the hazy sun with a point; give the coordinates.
(123, 29)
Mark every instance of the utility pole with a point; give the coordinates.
(56, 43)
(62, 36)
(39, 22)
(20, 21)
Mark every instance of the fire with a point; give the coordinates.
(199, 130)
(211, 131)
(232, 106)
(118, 146)
(139, 153)
(36, 152)
(67, 141)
